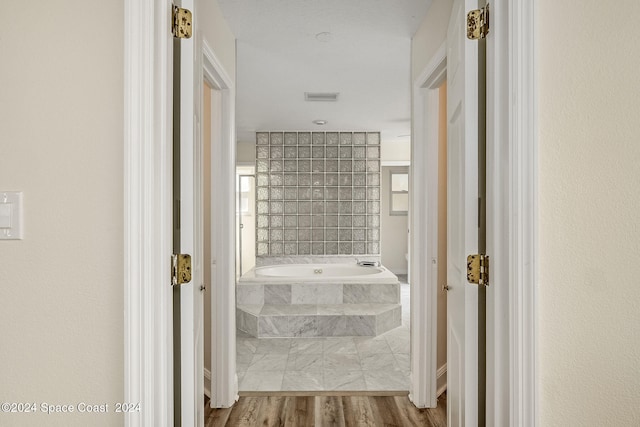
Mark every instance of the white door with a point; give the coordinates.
(462, 219)
(191, 308)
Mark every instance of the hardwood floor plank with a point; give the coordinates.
(357, 411)
(300, 411)
(245, 413)
(387, 411)
(329, 411)
(272, 412)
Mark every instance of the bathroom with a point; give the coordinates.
(322, 293)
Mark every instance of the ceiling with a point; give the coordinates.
(282, 53)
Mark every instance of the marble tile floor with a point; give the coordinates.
(327, 364)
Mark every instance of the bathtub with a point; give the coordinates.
(317, 300)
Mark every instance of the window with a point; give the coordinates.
(399, 201)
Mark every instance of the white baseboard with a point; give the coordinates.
(207, 383)
(441, 380)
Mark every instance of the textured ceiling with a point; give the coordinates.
(366, 60)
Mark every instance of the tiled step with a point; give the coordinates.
(317, 320)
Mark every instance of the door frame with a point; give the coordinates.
(512, 146)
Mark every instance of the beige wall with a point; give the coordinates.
(61, 143)
(442, 228)
(393, 228)
(430, 36)
(589, 157)
(217, 34)
(246, 153)
(395, 151)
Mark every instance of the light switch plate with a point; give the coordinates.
(11, 223)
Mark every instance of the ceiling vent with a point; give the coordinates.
(321, 96)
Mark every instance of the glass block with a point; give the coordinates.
(290, 179)
(263, 179)
(345, 248)
(332, 138)
(372, 166)
(345, 235)
(317, 194)
(331, 193)
(317, 207)
(276, 165)
(262, 207)
(262, 138)
(276, 249)
(304, 138)
(358, 235)
(346, 153)
(263, 221)
(263, 249)
(359, 138)
(276, 221)
(262, 165)
(263, 235)
(331, 248)
(276, 234)
(359, 248)
(291, 193)
(291, 152)
(373, 152)
(345, 138)
(359, 179)
(304, 193)
(304, 234)
(359, 207)
(276, 207)
(317, 234)
(345, 165)
(331, 179)
(317, 166)
(290, 207)
(304, 248)
(373, 248)
(317, 248)
(345, 221)
(317, 179)
(304, 208)
(331, 152)
(304, 221)
(345, 179)
(331, 220)
(262, 152)
(358, 221)
(331, 234)
(304, 165)
(276, 193)
(344, 207)
(359, 152)
(373, 179)
(276, 152)
(290, 221)
(373, 138)
(359, 166)
(359, 193)
(317, 220)
(290, 138)
(331, 207)
(345, 193)
(290, 165)
(373, 207)
(291, 235)
(318, 138)
(263, 193)
(277, 138)
(304, 152)
(317, 152)
(276, 179)
(373, 221)
(304, 179)
(373, 234)
(373, 193)
(290, 248)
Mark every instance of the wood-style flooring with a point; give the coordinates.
(349, 409)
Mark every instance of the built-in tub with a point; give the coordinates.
(315, 300)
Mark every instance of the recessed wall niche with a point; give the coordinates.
(317, 193)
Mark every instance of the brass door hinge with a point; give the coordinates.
(181, 27)
(478, 269)
(180, 269)
(478, 23)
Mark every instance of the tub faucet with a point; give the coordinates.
(368, 263)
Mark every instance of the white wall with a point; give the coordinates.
(393, 228)
(61, 143)
(589, 322)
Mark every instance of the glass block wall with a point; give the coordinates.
(318, 193)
